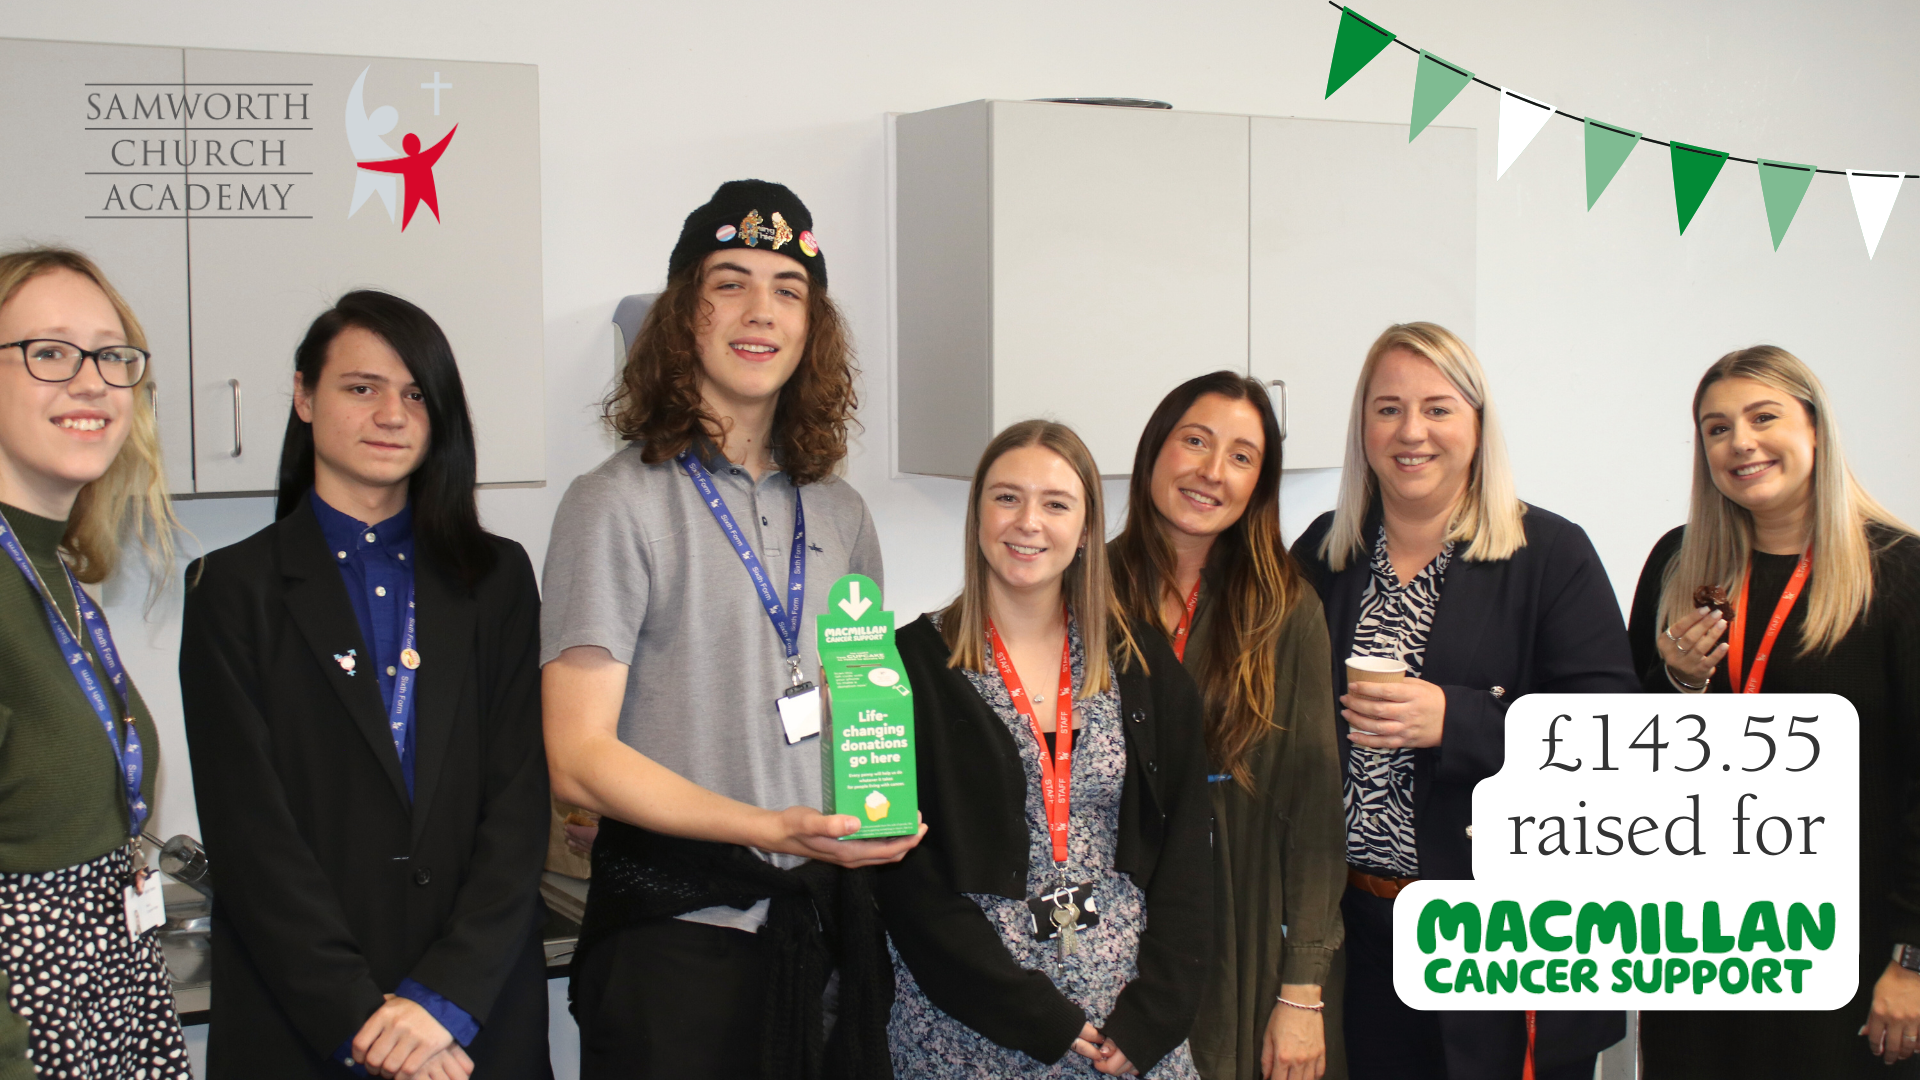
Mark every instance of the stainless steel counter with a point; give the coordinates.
(184, 940)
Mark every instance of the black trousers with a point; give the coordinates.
(1386, 1040)
(670, 998)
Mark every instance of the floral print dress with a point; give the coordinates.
(926, 1042)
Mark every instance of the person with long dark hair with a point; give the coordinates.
(1825, 584)
(79, 468)
(682, 581)
(363, 714)
(1201, 560)
(1058, 920)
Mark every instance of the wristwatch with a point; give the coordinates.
(1907, 956)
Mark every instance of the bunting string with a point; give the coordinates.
(1437, 82)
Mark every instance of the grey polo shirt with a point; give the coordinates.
(638, 566)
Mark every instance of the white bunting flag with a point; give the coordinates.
(1521, 118)
(1873, 195)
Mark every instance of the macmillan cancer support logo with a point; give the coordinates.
(378, 169)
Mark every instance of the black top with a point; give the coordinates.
(973, 799)
(1876, 666)
(334, 885)
(1544, 620)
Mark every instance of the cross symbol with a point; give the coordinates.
(436, 86)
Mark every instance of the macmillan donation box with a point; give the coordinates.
(866, 737)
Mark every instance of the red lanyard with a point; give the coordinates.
(1737, 639)
(1186, 623)
(1056, 782)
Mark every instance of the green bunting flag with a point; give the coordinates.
(1607, 150)
(1783, 184)
(1434, 88)
(1359, 42)
(1694, 170)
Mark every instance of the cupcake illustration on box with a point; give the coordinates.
(866, 744)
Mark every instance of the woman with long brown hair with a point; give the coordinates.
(1201, 560)
(1057, 921)
(80, 470)
(1780, 526)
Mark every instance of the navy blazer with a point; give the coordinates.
(1545, 620)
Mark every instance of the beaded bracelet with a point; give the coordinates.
(1297, 1005)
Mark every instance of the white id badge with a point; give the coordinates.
(800, 712)
(146, 905)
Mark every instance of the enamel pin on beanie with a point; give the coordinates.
(750, 214)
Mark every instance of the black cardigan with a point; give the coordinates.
(1544, 620)
(973, 798)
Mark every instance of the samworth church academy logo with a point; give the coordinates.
(379, 168)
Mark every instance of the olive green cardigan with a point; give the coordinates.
(1279, 850)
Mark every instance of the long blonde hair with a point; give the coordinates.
(131, 496)
(1488, 514)
(1718, 544)
(1104, 634)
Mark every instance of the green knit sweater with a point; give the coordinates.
(61, 799)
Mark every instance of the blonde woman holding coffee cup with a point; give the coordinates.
(1431, 568)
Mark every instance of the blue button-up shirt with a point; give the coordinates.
(376, 566)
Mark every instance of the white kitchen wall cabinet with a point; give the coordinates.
(1062, 261)
(1353, 230)
(233, 196)
(1078, 261)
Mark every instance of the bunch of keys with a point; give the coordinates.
(1067, 920)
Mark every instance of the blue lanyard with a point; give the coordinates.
(130, 760)
(400, 709)
(786, 621)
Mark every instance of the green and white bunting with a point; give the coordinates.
(1521, 118)
(1434, 88)
(1607, 150)
(1437, 82)
(1359, 42)
(1783, 184)
(1695, 168)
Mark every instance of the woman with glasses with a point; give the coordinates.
(86, 986)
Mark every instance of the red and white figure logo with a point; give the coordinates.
(379, 168)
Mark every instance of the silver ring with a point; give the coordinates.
(1679, 646)
(1669, 632)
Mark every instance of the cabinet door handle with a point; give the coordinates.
(235, 384)
(1282, 384)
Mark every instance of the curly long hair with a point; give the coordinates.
(1260, 581)
(657, 400)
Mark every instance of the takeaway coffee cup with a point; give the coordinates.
(1375, 669)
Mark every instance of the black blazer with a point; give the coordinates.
(331, 887)
(973, 798)
(1545, 620)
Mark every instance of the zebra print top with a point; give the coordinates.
(1394, 622)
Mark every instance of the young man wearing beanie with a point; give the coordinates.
(681, 579)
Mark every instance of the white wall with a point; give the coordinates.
(1594, 324)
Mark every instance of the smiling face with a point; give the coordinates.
(754, 330)
(1421, 435)
(1033, 518)
(370, 426)
(1207, 468)
(56, 438)
(1760, 446)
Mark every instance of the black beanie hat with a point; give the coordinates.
(750, 214)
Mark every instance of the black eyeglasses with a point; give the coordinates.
(60, 361)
